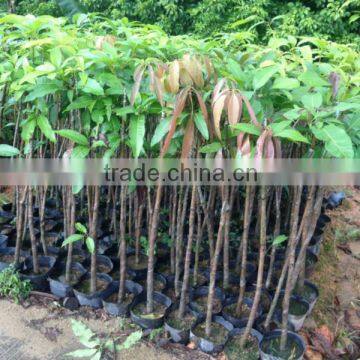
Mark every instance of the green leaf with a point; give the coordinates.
(93, 87)
(80, 152)
(130, 341)
(76, 189)
(42, 90)
(124, 111)
(312, 79)
(337, 141)
(293, 135)
(280, 126)
(286, 83)
(342, 106)
(82, 102)
(74, 136)
(84, 334)
(312, 101)
(81, 353)
(81, 228)
(279, 240)
(28, 128)
(56, 57)
(8, 150)
(201, 125)
(248, 128)
(263, 75)
(90, 244)
(45, 128)
(161, 130)
(71, 239)
(211, 148)
(137, 134)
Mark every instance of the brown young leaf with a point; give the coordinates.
(139, 71)
(243, 144)
(251, 112)
(260, 143)
(269, 149)
(188, 139)
(179, 107)
(217, 90)
(233, 109)
(217, 111)
(174, 75)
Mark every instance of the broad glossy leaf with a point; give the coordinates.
(160, 131)
(137, 134)
(8, 150)
(312, 79)
(80, 152)
(248, 128)
(45, 127)
(72, 238)
(293, 135)
(74, 136)
(90, 244)
(93, 87)
(81, 228)
(337, 141)
(312, 101)
(28, 128)
(201, 125)
(211, 148)
(263, 75)
(286, 83)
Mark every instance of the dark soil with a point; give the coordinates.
(231, 310)
(85, 286)
(140, 310)
(201, 304)
(116, 275)
(272, 347)
(158, 285)
(102, 268)
(42, 270)
(218, 333)
(141, 265)
(306, 292)
(184, 323)
(250, 351)
(200, 281)
(74, 277)
(78, 258)
(8, 259)
(295, 307)
(127, 299)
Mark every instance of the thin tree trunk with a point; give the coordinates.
(152, 240)
(185, 283)
(278, 191)
(122, 247)
(93, 235)
(291, 255)
(71, 231)
(179, 239)
(244, 244)
(215, 259)
(30, 209)
(20, 214)
(199, 236)
(227, 240)
(259, 281)
(42, 200)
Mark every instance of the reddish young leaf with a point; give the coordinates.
(217, 111)
(188, 139)
(179, 107)
(137, 78)
(251, 112)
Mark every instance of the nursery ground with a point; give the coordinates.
(41, 330)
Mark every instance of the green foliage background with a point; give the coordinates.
(336, 20)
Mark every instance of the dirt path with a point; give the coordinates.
(335, 324)
(39, 333)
